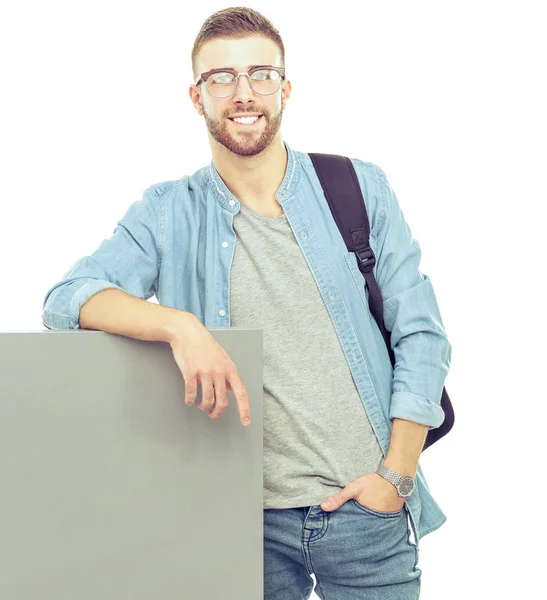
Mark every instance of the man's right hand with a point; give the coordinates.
(201, 359)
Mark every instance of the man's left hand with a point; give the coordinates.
(372, 491)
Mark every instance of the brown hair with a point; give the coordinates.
(236, 22)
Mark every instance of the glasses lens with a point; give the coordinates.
(220, 85)
(264, 81)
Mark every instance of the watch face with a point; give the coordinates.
(406, 485)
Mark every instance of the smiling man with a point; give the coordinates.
(249, 241)
(244, 120)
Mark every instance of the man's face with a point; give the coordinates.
(243, 140)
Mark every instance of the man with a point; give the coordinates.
(249, 241)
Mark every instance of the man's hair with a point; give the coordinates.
(237, 22)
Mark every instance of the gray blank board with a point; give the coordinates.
(111, 487)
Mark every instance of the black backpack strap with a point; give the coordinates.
(345, 198)
(346, 202)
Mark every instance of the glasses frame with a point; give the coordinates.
(204, 76)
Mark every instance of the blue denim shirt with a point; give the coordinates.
(178, 242)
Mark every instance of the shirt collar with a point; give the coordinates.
(286, 189)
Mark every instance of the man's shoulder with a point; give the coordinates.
(172, 186)
(368, 169)
(371, 179)
(363, 168)
(185, 185)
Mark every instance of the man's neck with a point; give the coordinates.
(253, 180)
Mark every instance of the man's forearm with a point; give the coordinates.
(117, 311)
(405, 447)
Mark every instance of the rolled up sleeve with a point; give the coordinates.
(418, 338)
(129, 260)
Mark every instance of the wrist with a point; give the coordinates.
(179, 324)
(403, 467)
(403, 484)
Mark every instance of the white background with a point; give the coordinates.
(448, 98)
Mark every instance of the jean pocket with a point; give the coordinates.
(378, 513)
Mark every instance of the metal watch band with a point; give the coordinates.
(388, 474)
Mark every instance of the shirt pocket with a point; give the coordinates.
(358, 280)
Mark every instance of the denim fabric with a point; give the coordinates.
(178, 242)
(356, 553)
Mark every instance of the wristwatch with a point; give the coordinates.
(405, 485)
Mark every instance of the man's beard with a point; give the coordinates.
(245, 143)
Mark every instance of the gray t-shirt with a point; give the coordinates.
(317, 435)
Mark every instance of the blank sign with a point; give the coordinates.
(111, 487)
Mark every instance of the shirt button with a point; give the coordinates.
(224, 244)
(232, 202)
(221, 313)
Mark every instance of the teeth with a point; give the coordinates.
(246, 120)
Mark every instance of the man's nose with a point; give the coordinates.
(244, 90)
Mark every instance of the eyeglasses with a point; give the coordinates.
(222, 83)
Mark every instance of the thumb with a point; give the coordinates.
(336, 501)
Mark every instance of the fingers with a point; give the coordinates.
(221, 398)
(191, 384)
(241, 396)
(207, 394)
(214, 389)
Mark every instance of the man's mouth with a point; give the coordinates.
(245, 121)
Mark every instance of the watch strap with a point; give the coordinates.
(389, 474)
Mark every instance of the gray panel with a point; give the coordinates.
(111, 487)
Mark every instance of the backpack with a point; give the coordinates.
(343, 193)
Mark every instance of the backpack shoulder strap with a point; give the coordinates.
(343, 193)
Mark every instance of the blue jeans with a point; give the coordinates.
(356, 553)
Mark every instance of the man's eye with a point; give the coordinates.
(222, 77)
(263, 75)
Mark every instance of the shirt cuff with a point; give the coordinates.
(83, 294)
(411, 407)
